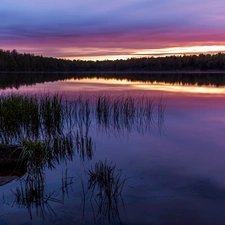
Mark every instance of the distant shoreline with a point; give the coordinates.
(28, 63)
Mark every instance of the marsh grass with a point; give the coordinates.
(29, 116)
(52, 128)
(47, 152)
(125, 113)
(52, 112)
(104, 190)
(18, 114)
(35, 115)
(105, 180)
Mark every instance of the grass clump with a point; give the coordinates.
(105, 180)
(105, 183)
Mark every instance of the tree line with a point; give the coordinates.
(13, 61)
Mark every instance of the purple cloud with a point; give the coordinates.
(128, 24)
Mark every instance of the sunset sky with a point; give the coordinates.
(103, 29)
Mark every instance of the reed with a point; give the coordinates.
(51, 112)
(105, 179)
(105, 183)
(52, 127)
(125, 113)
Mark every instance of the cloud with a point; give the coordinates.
(110, 24)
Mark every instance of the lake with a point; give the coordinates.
(167, 170)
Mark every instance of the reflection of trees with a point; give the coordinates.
(16, 80)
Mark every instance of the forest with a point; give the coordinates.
(12, 61)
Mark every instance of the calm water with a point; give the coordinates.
(175, 172)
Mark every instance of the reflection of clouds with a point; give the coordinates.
(111, 85)
(100, 84)
(180, 88)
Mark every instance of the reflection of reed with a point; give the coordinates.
(66, 183)
(83, 141)
(105, 186)
(39, 155)
(51, 129)
(84, 145)
(31, 194)
(160, 115)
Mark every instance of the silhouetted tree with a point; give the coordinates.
(14, 61)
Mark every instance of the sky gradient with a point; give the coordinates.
(102, 29)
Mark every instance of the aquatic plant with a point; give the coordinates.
(104, 178)
(124, 113)
(51, 112)
(52, 128)
(24, 116)
(105, 185)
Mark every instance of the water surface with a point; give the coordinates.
(175, 171)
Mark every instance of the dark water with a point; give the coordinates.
(173, 173)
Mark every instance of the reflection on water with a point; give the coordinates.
(17, 80)
(31, 194)
(53, 130)
(175, 177)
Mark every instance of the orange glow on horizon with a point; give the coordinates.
(104, 54)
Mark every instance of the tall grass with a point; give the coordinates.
(53, 127)
(51, 112)
(125, 113)
(29, 116)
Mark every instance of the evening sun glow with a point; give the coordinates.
(100, 30)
